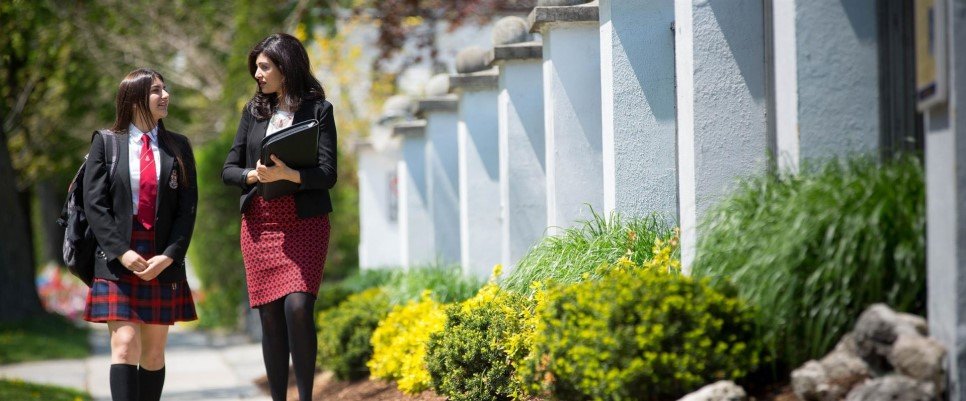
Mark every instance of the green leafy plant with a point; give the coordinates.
(345, 332)
(576, 254)
(332, 293)
(446, 283)
(813, 250)
(470, 359)
(637, 334)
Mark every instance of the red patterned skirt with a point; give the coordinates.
(132, 299)
(283, 253)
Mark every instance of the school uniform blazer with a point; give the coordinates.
(109, 211)
(312, 198)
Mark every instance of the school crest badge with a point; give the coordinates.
(173, 182)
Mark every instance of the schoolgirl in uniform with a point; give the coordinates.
(142, 216)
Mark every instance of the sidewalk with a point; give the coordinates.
(199, 367)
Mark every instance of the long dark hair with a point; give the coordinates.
(133, 95)
(292, 61)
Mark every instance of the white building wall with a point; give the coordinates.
(720, 104)
(442, 166)
(523, 176)
(572, 121)
(378, 209)
(479, 182)
(637, 95)
(417, 245)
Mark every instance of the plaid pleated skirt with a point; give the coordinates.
(132, 299)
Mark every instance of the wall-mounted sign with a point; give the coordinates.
(393, 202)
(931, 78)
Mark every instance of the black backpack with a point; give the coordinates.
(79, 241)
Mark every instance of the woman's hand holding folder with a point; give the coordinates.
(277, 172)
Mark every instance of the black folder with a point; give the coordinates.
(298, 147)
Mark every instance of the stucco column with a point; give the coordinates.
(571, 99)
(378, 205)
(478, 162)
(637, 107)
(719, 63)
(523, 178)
(825, 66)
(439, 108)
(945, 127)
(417, 244)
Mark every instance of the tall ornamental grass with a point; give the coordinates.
(813, 250)
(577, 253)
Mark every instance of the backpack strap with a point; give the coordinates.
(111, 149)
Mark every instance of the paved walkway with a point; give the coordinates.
(199, 367)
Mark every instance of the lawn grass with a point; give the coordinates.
(41, 337)
(23, 391)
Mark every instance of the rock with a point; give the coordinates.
(438, 85)
(721, 391)
(875, 332)
(806, 379)
(395, 108)
(471, 59)
(909, 323)
(847, 344)
(552, 3)
(829, 379)
(893, 388)
(510, 30)
(920, 358)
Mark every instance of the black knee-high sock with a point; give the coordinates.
(150, 383)
(275, 347)
(302, 340)
(124, 382)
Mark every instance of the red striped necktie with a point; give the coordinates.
(148, 192)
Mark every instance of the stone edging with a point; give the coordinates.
(543, 15)
(515, 51)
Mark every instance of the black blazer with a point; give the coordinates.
(312, 198)
(108, 208)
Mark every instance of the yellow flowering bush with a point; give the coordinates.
(399, 343)
(639, 333)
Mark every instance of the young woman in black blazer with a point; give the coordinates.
(284, 240)
(142, 216)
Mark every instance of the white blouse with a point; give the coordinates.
(134, 160)
(280, 120)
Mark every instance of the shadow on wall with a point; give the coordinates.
(745, 40)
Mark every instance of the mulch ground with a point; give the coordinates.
(328, 388)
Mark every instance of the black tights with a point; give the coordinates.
(288, 326)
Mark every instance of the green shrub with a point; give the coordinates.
(470, 360)
(344, 333)
(332, 293)
(638, 333)
(814, 250)
(578, 253)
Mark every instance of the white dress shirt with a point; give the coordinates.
(134, 160)
(280, 120)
